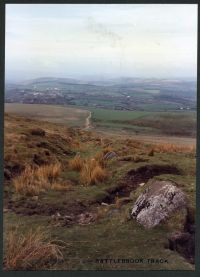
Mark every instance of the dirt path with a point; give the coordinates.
(87, 121)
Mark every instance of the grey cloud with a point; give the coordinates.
(103, 31)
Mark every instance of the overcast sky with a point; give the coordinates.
(62, 40)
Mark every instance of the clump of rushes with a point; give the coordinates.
(99, 157)
(27, 183)
(76, 163)
(50, 172)
(33, 181)
(92, 173)
(31, 250)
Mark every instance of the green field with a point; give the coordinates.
(181, 123)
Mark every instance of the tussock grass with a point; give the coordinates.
(92, 173)
(98, 174)
(30, 250)
(99, 157)
(33, 181)
(50, 172)
(76, 163)
(27, 183)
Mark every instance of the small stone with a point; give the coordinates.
(104, 204)
(68, 217)
(142, 184)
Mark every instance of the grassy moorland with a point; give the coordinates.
(148, 123)
(57, 180)
(71, 116)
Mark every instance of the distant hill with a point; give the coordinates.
(116, 93)
(52, 80)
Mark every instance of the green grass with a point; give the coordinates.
(109, 238)
(162, 123)
(110, 115)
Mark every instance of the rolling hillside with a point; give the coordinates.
(87, 216)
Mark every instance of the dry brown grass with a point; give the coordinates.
(118, 203)
(170, 148)
(27, 183)
(99, 157)
(107, 149)
(98, 174)
(30, 250)
(50, 172)
(92, 173)
(76, 163)
(75, 143)
(61, 187)
(102, 211)
(33, 181)
(133, 143)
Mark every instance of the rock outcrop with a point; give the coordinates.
(157, 203)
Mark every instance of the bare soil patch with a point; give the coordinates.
(135, 177)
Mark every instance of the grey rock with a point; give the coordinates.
(109, 155)
(142, 184)
(157, 203)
